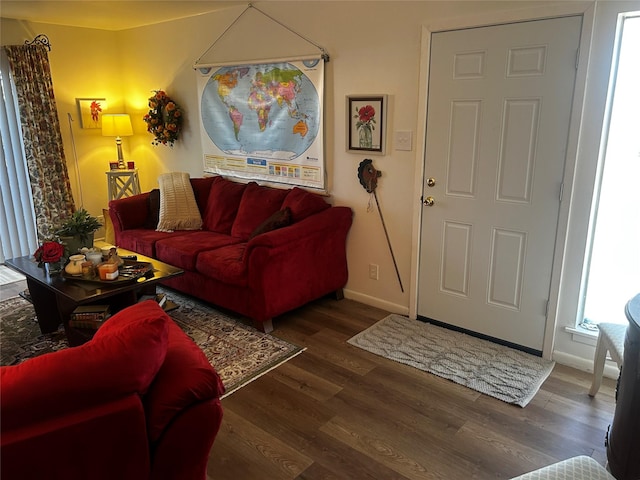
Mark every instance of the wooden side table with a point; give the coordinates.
(123, 183)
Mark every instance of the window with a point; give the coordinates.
(612, 273)
(17, 222)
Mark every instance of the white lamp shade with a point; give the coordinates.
(116, 125)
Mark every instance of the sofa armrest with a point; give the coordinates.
(332, 222)
(295, 264)
(186, 378)
(183, 450)
(130, 212)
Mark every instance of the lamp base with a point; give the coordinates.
(121, 165)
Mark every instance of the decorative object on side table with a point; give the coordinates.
(77, 231)
(50, 256)
(74, 267)
(164, 119)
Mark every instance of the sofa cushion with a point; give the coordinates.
(185, 378)
(225, 264)
(222, 205)
(201, 188)
(153, 203)
(122, 359)
(258, 203)
(178, 206)
(280, 219)
(143, 240)
(303, 203)
(181, 251)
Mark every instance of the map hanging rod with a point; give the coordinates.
(299, 58)
(324, 55)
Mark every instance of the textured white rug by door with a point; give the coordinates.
(495, 370)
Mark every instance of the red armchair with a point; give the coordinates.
(140, 400)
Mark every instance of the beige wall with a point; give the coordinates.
(375, 47)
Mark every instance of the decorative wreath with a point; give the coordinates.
(164, 119)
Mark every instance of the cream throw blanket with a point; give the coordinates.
(178, 207)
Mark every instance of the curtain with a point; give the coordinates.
(17, 222)
(42, 140)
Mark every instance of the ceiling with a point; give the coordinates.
(109, 14)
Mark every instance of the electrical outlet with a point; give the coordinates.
(373, 271)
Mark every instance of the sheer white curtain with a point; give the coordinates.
(17, 222)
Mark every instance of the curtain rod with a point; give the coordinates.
(41, 39)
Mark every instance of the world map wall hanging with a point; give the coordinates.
(264, 121)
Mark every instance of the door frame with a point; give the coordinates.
(587, 11)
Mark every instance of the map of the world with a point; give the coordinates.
(269, 110)
(269, 115)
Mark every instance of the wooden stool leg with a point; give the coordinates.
(598, 365)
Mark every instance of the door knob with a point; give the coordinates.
(429, 201)
(431, 182)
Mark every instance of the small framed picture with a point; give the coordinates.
(366, 123)
(90, 111)
(113, 165)
(131, 165)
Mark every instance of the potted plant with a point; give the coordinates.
(77, 231)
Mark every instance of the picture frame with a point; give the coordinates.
(366, 123)
(90, 111)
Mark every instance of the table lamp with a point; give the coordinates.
(117, 125)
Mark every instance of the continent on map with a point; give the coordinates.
(275, 85)
(226, 83)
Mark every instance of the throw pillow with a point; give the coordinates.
(109, 233)
(281, 218)
(153, 203)
(258, 203)
(178, 207)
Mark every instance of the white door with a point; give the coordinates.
(498, 117)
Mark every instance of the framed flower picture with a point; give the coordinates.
(366, 123)
(90, 111)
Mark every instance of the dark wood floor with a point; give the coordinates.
(338, 412)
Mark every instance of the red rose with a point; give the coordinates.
(49, 252)
(366, 113)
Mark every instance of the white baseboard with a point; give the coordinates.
(376, 302)
(610, 368)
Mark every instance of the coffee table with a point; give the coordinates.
(56, 296)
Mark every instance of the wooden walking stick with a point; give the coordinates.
(368, 176)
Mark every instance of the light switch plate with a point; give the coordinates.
(403, 140)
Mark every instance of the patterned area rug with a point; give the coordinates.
(495, 370)
(239, 353)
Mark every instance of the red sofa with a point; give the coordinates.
(261, 251)
(139, 400)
